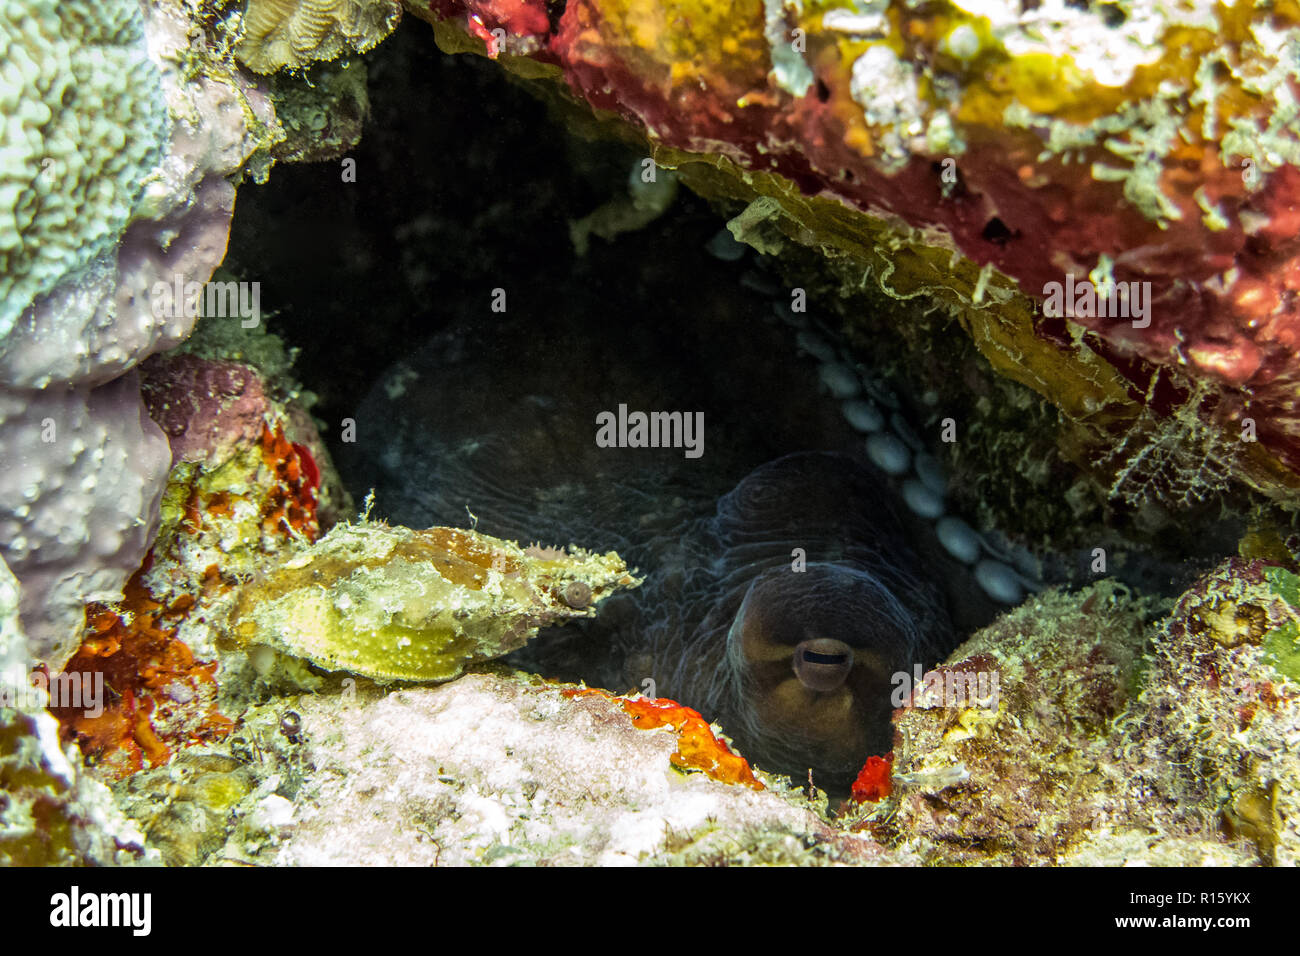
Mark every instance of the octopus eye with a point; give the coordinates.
(822, 664)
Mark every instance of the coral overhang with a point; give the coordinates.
(1107, 146)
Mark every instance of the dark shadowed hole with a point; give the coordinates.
(1112, 15)
(996, 231)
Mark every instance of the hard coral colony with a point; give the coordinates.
(992, 557)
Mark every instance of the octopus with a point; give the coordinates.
(787, 581)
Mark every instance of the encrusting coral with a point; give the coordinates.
(75, 78)
(117, 163)
(78, 502)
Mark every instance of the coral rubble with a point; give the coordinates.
(503, 770)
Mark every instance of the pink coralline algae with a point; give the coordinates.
(207, 407)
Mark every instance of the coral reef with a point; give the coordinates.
(236, 562)
(184, 809)
(1222, 706)
(490, 769)
(102, 221)
(992, 159)
(51, 812)
(78, 502)
(181, 536)
(110, 216)
(1084, 754)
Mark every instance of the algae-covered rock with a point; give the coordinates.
(1222, 706)
(184, 808)
(51, 812)
(1111, 740)
(505, 770)
(1026, 768)
(396, 604)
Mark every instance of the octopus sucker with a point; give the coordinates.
(786, 579)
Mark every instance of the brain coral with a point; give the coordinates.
(85, 121)
(294, 33)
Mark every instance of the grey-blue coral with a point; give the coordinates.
(86, 121)
(123, 133)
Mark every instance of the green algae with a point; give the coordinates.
(1282, 644)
